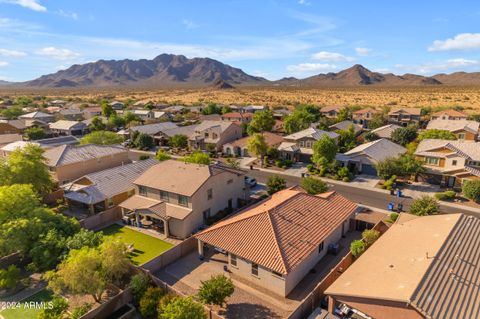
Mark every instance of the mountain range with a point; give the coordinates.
(168, 70)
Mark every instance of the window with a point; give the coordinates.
(320, 247)
(254, 269)
(461, 136)
(182, 200)
(233, 260)
(301, 143)
(142, 190)
(454, 163)
(164, 196)
(209, 193)
(110, 202)
(432, 161)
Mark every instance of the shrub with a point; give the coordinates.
(310, 168)
(288, 163)
(471, 190)
(139, 284)
(278, 163)
(143, 157)
(447, 195)
(79, 311)
(58, 309)
(149, 301)
(313, 185)
(9, 277)
(162, 156)
(424, 206)
(275, 183)
(344, 174)
(392, 217)
(216, 290)
(370, 236)
(357, 247)
(183, 308)
(164, 302)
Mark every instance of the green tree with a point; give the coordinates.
(144, 141)
(275, 184)
(313, 185)
(262, 121)
(178, 141)
(107, 109)
(149, 301)
(344, 114)
(129, 117)
(436, 134)
(162, 156)
(226, 109)
(165, 300)
(34, 133)
(378, 120)
(216, 290)
(403, 165)
(387, 168)
(57, 311)
(346, 139)
(115, 121)
(183, 308)
(9, 277)
(405, 135)
(357, 247)
(371, 136)
(370, 236)
(97, 124)
(27, 166)
(471, 189)
(139, 284)
(84, 238)
(256, 145)
(324, 151)
(297, 121)
(198, 158)
(102, 138)
(211, 108)
(115, 261)
(12, 112)
(424, 206)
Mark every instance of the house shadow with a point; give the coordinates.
(248, 310)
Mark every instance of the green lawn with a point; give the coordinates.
(23, 312)
(145, 247)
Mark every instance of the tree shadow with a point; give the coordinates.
(248, 310)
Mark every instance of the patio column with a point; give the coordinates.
(165, 227)
(200, 248)
(137, 218)
(91, 209)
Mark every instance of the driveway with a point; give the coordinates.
(365, 181)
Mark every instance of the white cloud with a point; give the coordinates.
(304, 2)
(3, 63)
(189, 24)
(463, 41)
(67, 14)
(331, 57)
(56, 53)
(363, 51)
(449, 65)
(12, 53)
(29, 4)
(310, 67)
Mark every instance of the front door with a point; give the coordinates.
(451, 181)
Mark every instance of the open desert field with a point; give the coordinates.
(468, 97)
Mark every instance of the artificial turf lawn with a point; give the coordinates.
(145, 247)
(23, 312)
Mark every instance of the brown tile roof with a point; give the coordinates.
(280, 232)
(270, 138)
(408, 110)
(179, 177)
(139, 202)
(365, 111)
(452, 113)
(237, 115)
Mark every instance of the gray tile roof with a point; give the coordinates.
(386, 130)
(454, 125)
(344, 125)
(152, 129)
(467, 149)
(181, 130)
(68, 154)
(378, 150)
(57, 141)
(310, 132)
(67, 125)
(107, 183)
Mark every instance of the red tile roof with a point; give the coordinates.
(280, 232)
(453, 113)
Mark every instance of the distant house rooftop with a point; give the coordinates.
(453, 126)
(68, 154)
(152, 129)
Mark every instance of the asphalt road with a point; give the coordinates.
(361, 196)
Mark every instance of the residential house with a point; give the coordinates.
(331, 111)
(116, 105)
(449, 163)
(449, 115)
(422, 267)
(163, 136)
(154, 130)
(9, 138)
(178, 197)
(57, 102)
(279, 114)
(275, 244)
(298, 146)
(174, 109)
(463, 129)
(252, 108)
(7, 149)
(345, 125)
(67, 162)
(240, 146)
(214, 133)
(404, 116)
(40, 116)
(92, 111)
(386, 130)
(64, 127)
(237, 117)
(57, 141)
(71, 114)
(363, 116)
(19, 126)
(102, 190)
(363, 158)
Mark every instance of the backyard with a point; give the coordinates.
(27, 311)
(145, 247)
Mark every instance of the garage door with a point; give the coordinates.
(369, 170)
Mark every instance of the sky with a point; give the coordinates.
(269, 38)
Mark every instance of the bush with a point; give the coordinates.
(344, 174)
(183, 308)
(471, 190)
(143, 157)
(275, 183)
(392, 217)
(58, 309)
(149, 301)
(370, 236)
(424, 206)
(162, 156)
(9, 277)
(313, 185)
(215, 290)
(288, 163)
(164, 302)
(310, 168)
(139, 285)
(357, 247)
(447, 195)
(79, 311)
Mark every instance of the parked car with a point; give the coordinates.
(250, 181)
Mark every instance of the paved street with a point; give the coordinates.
(362, 196)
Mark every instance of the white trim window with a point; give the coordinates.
(433, 161)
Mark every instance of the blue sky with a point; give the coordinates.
(270, 38)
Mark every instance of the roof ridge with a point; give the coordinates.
(274, 233)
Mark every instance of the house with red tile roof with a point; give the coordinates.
(449, 115)
(237, 117)
(363, 116)
(275, 243)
